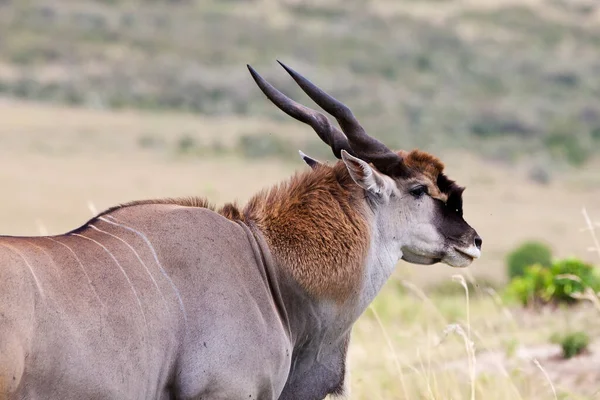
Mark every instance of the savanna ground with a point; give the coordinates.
(114, 100)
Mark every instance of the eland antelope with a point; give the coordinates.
(176, 299)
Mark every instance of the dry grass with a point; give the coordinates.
(505, 353)
(414, 342)
(501, 354)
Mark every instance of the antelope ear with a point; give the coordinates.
(365, 176)
(310, 161)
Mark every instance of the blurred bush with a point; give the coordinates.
(539, 174)
(149, 141)
(556, 284)
(572, 344)
(533, 287)
(529, 253)
(488, 125)
(573, 276)
(186, 144)
(596, 134)
(568, 146)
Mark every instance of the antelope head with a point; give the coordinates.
(417, 208)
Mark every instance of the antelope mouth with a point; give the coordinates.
(465, 255)
(461, 257)
(471, 252)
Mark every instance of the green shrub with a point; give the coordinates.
(572, 344)
(595, 133)
(555, 284)
(533, 287)
(529, 253)
(568, 146)
(573, 276)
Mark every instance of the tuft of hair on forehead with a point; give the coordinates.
(422, 162)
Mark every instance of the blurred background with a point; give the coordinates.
(106, 101)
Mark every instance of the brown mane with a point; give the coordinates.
(316, 225)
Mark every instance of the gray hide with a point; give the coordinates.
(156, 302)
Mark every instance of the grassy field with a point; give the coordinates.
(54, 161)
(493, 76)
(107, 101)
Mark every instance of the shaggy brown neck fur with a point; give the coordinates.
(316, 227)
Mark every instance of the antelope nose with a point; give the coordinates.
(478, 241)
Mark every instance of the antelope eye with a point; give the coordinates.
(418, 191)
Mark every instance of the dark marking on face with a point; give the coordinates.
(449, 214)
(453, 191)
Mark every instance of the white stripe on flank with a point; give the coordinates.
(140, 234)
(140, 260)
(45, 252)
(82, 268)
(37, 282)
(122, 270)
